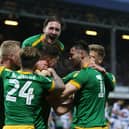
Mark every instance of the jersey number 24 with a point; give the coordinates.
(25, 91)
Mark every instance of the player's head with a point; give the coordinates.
(97, 53)
(29, 56)
(9, 53)
(50, 54)
(52, 28)
(79, 51)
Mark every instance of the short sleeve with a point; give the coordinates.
(69, 76)
(48, 83)
(79, 78)
(26, 43)
(1, 70)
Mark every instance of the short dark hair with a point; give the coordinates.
(29, 56)
(49, 50)
(54, 18)
(81, 44)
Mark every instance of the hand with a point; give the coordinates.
(97, 67)
(52, 71)
(43, 72)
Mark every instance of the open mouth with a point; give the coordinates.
(52, 37)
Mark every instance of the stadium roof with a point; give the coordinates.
(121, 5)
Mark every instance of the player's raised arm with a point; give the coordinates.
(58, 81)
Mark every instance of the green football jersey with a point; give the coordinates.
(37, 41)
(89, 99)
(110, 83)
(1, 104)
(44, 115)
(24, 94)
(69, 76)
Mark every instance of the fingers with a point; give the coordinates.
(51, 70)
(43, 72)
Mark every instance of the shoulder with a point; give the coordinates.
(70, 76)
(111, 76)
(87, 70)
(74, 73)
(92, 71)
(33, 37)
(44, 79)
(91, 74)
(30, 40)
(1, 69)
(4, 71)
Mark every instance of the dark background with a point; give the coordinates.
(96, 15)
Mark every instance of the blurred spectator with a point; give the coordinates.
(124, 118)
(66, 120)
(116, 114)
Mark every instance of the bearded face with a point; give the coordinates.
(75, 56)
(52, 31)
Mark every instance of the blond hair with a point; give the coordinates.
(8, 47)
(97, 48)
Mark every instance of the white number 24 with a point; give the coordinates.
(25, 92)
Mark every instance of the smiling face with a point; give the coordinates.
(95, 57)
(41, 65)
(52, 61)
(52, 31)
(10, 57)
(46, 62)
(97, 53)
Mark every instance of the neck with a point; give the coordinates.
(7, 64)
(48, 41)
(85, 62)
(26, 70)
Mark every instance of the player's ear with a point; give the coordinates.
(44, 28)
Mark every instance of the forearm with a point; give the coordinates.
(59, 84)
(97, 67)
(100, 68)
